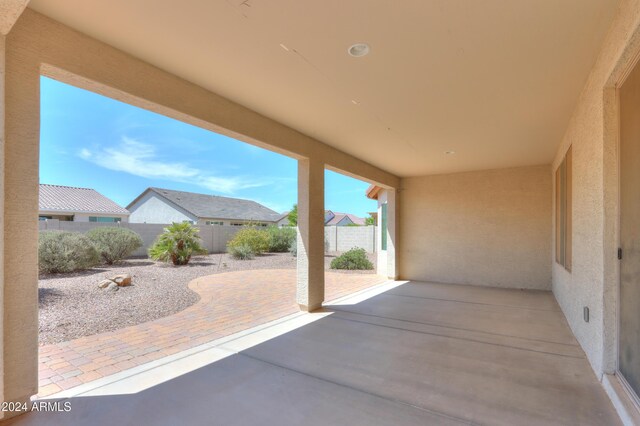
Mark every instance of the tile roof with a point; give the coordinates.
(80, 200)
(217, 207)
(339, 216)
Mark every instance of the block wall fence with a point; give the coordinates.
(214, 238)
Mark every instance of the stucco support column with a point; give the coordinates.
(20, 224)
(310, 272)
(392, 233)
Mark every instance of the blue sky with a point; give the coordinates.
(91, 141)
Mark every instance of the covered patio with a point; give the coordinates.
(400, 353)
(502, 143)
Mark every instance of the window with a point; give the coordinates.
(214, 222)
(237, 224)
(563, 211)
(104, 219)
(45, 218)
(383, 226)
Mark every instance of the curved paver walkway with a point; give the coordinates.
(230, 302)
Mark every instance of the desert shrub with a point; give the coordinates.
(114, 244)
(255, 239)
(177, 244)
(65, 252)
(242, 252)
(356, 258)
(280, 239)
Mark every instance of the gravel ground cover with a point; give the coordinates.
(72, 305)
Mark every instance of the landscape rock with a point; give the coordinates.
(122, 280)
(113, 286)
(104, 283)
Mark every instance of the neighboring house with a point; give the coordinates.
(341, 219)
(283, 220)
(68, 203)
(157, 205)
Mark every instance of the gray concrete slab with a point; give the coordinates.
(479, 382)
(399, 358)
(544, 325)
(566, 349)
(532, 299)
(240, 391)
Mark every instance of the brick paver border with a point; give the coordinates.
(230, 302)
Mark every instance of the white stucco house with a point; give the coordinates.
(68, 203)
(283, 220)
(158, 205)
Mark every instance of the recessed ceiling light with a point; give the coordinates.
(359, 50)
(284, 47)
(353, 101)
(449, 152)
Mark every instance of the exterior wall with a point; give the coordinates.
(203, 221)
(151, 208)
(81, 217)
(488, 228)
(214, 238)
(343, 238)
(84, 217)
(593, 133)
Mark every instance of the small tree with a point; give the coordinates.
(370, 220)
(114, 244)
(293, 216)
(177, 244)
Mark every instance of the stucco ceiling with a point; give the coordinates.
(495, 81)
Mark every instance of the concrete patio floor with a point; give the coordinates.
(416, 353)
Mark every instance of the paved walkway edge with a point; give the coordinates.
(155, 372)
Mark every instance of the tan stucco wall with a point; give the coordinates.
(592, 133)
(38, 45)
(489, 228)
(2, 132)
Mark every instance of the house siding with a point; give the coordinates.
(593, 280)
(151, 208)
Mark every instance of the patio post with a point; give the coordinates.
(392, 233)
(310, 272)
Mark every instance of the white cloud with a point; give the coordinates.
(140, 159)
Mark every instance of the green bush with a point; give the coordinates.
(280, 239)
(356, 258)
(113, 243)
(65, 252)
(242, 252)
(177, 244)
(255, 239)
